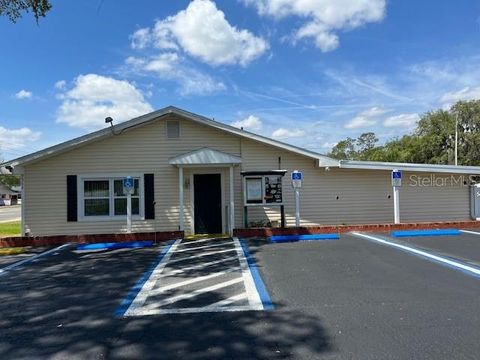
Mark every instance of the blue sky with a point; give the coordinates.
(308, 72)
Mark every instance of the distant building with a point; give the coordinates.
(8, 196)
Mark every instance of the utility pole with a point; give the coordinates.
(456, 139)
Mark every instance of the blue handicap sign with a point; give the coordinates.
(396, 174)
(128, 182)
(296, 175)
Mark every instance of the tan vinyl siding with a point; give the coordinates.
(142, 150)
(448, 199)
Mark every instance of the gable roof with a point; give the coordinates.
(144, 119)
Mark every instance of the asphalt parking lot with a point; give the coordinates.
(346, 299)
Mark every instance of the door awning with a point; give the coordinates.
(205, 157)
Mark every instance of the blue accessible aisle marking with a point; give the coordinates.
(138, 286)
(115, 245)
(260, 286)
(219, 275)
(292, 238)
(434, 232)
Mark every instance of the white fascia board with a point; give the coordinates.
(373, 165)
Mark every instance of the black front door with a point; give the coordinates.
(207, 191)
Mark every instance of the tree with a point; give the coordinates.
(468, 114)
(344, 150)
(432, 142)
(13, 9)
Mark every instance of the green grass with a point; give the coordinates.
(12, 251)
(11, 228)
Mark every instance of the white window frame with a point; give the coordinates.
(108, 177)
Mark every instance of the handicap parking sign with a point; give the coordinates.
(128, 184)
(396, 178)
(297, 179)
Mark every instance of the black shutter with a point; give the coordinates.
(72, 198)
(149, 192)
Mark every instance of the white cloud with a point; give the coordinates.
(202, 31)
(250, 123)
(17, 138)
(324, 18)
(23, 94)
(94, 97)
(360, 122)
(366, 118)
(171, 66)
(403, 120)
(60, 85)
(467, 93)
(140, 38)
(283, 133)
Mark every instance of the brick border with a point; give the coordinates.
(20, 241)
(266, 232)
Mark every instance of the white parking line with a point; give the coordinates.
(228, 301)
(147, 287)
(31, 259)
(443, 260)
(202, 247)
(155, 296)
(200, 255)
(470, 232)
(188, 242)
(192, 281)
(174, 299)
(197, 266)
(252, 293)
(203, 309)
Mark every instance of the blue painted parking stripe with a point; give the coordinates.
(115, 245)
(291, 238)
(455, 264)
(435, 232)
(259, 285)
(120, 311)
(4, 270)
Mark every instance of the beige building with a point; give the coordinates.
(198, 175)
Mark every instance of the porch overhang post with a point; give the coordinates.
(232, 203)
(180, 198)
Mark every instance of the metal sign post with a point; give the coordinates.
(297, 184)
(396, 184)
(128, 188)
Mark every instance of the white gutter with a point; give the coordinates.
(377, 165)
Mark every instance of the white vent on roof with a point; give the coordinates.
(173, 129)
